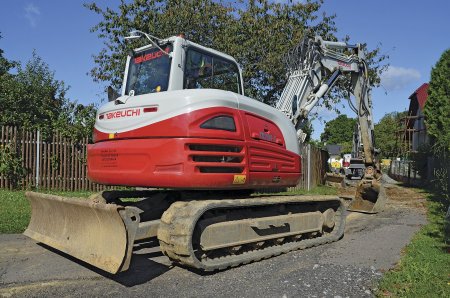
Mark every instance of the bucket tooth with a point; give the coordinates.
(99, 234)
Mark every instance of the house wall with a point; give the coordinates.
(420, 135)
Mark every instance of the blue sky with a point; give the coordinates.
(413, 33)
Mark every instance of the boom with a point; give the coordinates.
(314, 66)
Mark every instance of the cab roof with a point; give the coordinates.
(192, 44)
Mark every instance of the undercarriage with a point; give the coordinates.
(203, 230)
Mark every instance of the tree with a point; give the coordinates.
(437, 121)
(339, 131)
(437, 107)
(5, 64)
(76, 121)
(257, 33)
(32, 98)
(386, 134)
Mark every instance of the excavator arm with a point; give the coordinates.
(314, 66)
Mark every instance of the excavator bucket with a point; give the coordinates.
(370, 197)
(335, 180)
(97, 233)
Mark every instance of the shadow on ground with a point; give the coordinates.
(142, 268)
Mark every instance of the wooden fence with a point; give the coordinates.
(59, 163)
(314, 164)
(55, 164)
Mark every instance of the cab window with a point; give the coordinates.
(149, 71)
(208, 71)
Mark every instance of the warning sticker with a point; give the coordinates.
(239, 179)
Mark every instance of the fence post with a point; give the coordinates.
(409, 172)
(38, 157)
(308, 185)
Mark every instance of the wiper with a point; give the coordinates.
(138, 34)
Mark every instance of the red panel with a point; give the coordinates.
(263, 158)
(185, 125)
(157, 163)
(173, 163)
(263, 129)
(177, 153)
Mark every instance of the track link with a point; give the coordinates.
(178, 223)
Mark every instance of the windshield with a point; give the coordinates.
(149, 71)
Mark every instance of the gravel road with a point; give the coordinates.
(350, 267)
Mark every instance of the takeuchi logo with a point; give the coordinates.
(150, 56)
(346, 65)
(123, 113)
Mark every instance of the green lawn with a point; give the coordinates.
(15, 210)
(424, 270)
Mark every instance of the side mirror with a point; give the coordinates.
(112, 94)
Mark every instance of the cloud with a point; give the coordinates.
(32, 14)
(396, 78)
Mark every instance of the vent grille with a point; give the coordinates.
(213, 158)
(214, 148)
(232, 170)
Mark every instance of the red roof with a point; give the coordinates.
(421, 94)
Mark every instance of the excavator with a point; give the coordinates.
(183, 132)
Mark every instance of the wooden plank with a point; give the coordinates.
(72, 165)
(64, 164)
(58, 158)
(33, 156)
(60, 161)
(2, 143)
(52, 166)
(14, 149)
(45, 161)
(41, 161)
(30, 159)
(81, 164)
(44, 164)
(20, 141)
(78, 167)
(49, 164)
(6, 144)
(24, 157)
(83, 168)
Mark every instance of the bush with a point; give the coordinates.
(11, 164)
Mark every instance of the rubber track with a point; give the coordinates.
(178, 224)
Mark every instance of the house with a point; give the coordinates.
(415, 132)
(335, 160)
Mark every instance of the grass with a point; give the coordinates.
(424, 270)
(15, 210)
(318, 190)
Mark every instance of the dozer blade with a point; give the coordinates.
(370, 197)
(99, 234)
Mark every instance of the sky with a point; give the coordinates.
(413, 33)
